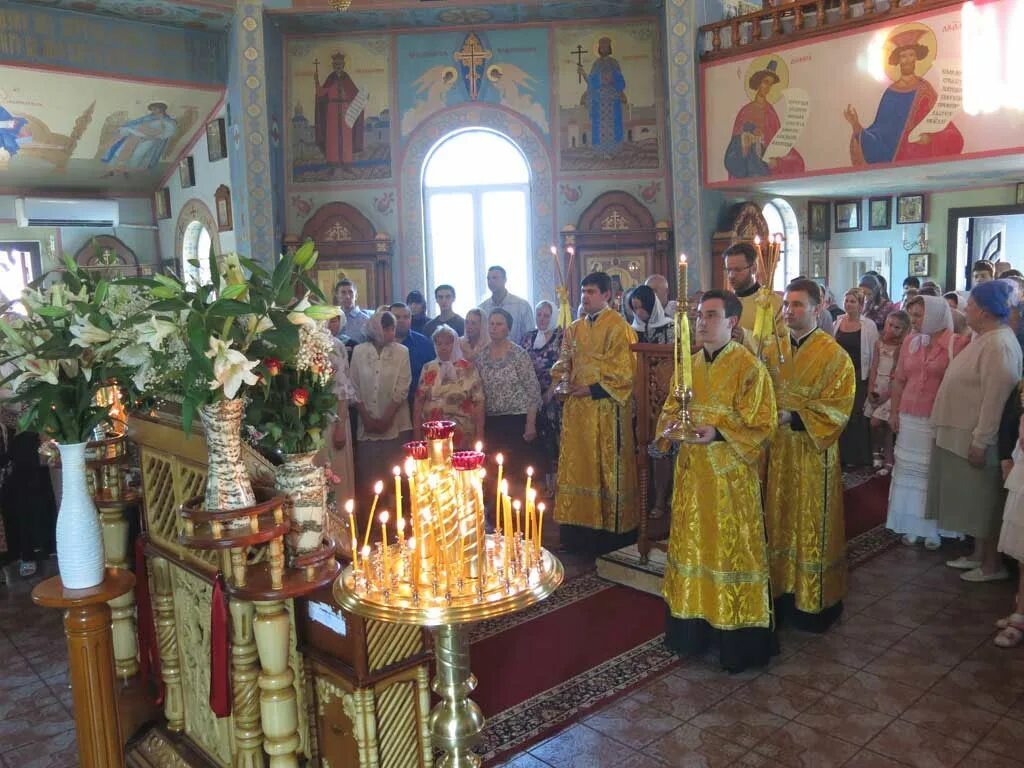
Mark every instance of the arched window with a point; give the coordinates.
(781, 219)
(195, 255)
(476, 195)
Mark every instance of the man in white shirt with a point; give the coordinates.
(522, 313)
(345, 295)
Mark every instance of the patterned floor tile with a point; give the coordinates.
(951, 718)
(868, 759)
(714, 678)
(944, 645)
(916, 671)
(58, 751)
(581, 747)
(739, 722)
(981, 758)
(802, 747)
(632, 722)
(844, 650)
(878, 693)
(777, 695)
(866, 629)
(524, 761)
(1005, 739)
(844, 720)
(677, 696)
(25, 698)
(918, 746)
(972, 682)
(25, 727)
(690, 747)
(813, 672)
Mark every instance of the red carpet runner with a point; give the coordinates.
(533, 656)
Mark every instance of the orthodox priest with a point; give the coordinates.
(596, 504)
(804, 506)
(716, 579)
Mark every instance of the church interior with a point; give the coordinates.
(418, 144)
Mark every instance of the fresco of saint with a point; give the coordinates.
(904, 104)
(605, 95)
(142, 142)
(753, 130)
(339, 114)
(12, 134)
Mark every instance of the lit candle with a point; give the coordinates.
(414, 508)
(397, 472)
(529, 479)
(366, 563)
(350, 507)
(518, 508)
(479, 447)
(384, 544)
(497, 494)
(685, 357)
(355, 555)
(378, 488)
(531, 511)
(540, 526)
(400, 525)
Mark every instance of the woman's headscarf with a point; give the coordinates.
(374, 329)
(994, 297)
(448, 372)
(652, 305)
(938, 317)
(541, 338)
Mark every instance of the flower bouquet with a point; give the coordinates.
(58, 357)
(200, 342)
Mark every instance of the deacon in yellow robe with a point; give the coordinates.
(741, 273)
(597, 503)
(804, 506)
(716, 578)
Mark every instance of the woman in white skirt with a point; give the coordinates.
(922, 364)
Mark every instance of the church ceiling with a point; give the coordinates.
(194, 14)
(312, 16)
(62, 131)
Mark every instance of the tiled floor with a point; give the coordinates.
(909, 677)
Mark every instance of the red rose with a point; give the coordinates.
(300, 397)
(273, 365)
(430, 377)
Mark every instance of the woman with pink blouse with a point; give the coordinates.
(923, 360)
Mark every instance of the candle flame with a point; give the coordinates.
(483, 472)
(554, 251)
(516, 505)
(541, 507)
(410, 467)
(479, 446)
(571, 250)
(757, 239)
(384, 517)
(366, 552)
(400, 524)
(504, 487)
(529, 471)
(355, 544)
(778, 238)
(500, 459)
(378, 487)
(350, 505)
(396, 471)
(412, 543)
(682, 258)
(532, 495)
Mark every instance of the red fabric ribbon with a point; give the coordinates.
(149, 652)
(220, 677)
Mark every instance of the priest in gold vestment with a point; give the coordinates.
(741, 272)
(804, 505)
(597, 503)
(716, 578)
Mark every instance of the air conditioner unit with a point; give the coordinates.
(54, 212)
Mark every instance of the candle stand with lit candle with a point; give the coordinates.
(682, 429)
(451, 573)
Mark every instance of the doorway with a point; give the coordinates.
(993, 232)
(846, 266)
(20, 264)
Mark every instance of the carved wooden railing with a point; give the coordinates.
(653, 379)
(779, 23)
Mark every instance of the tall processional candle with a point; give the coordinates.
(685, 362)
(497, 494)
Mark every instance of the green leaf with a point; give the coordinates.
(230, 308)
(163, 292)
(282, 274)
(101, 292)
(139, 282)
(49, 311)
(305, 255)
(233, 291)
(169, 282)
(255, 268)
(313, 288)
(188, 412)
(321, 311)
(168, 305)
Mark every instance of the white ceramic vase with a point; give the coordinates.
(303, 482)
(79, 537)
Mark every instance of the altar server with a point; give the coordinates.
(597, 503)
(804, 506)
(716, 579)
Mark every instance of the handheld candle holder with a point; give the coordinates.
(450, 573)
(682, 428)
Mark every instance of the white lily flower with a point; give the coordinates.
(230, 368)
(70, 366)
(134, 355)
(45, 370)
(86, 334)
(264, 324)
(154, 331)
(298, 315)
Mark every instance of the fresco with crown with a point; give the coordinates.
(339, 98)
(934, 89)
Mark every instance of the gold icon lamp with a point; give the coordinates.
(450, 572)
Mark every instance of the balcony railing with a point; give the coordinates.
(777, 24)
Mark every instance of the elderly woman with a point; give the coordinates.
(650, 322)
(380, 375)
(511, 389)
(543, 345)
(964, 480)
(921, 366)
(876, 302)
(475, 339)
(450, 388)
(857, 335)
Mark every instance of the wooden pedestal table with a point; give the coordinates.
(87, 626)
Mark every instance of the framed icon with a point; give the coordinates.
(919, 263)
(1020, 193)
(910, 209)
(222, 198)
(162, 203)
(187, 172)
(817, 220)
(879, 213)
(216, 140)
(847, 216)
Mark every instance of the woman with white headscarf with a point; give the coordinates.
(923, 360)
(650, 322)
(450, 389)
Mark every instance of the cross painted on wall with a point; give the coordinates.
(578, 53)
(472, 56)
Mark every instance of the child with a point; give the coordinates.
(877, 407)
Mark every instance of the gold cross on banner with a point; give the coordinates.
(473, 56)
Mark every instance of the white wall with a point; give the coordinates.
(209, 176)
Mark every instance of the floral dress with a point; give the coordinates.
(549, 425)
(452, 397)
